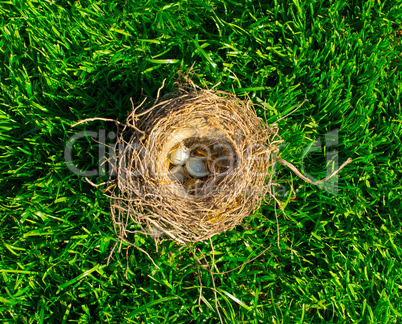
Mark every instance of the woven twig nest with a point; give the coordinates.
(232, 146)
(192, 166)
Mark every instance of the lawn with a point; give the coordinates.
(339, 255)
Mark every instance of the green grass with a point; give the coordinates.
(340, 256)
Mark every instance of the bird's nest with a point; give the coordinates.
(156, 188)
(191, 165)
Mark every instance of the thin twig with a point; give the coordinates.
(122, 239)
(213, 281)
(95, 184)
(298, 173)
(126, 272)
(199, 297)
(277, 227)
(213, 255)
(216, 296)
(159, 90)
(96, 118)
(242, 265)
(294, 110)
(199, 280)
(111, 253)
